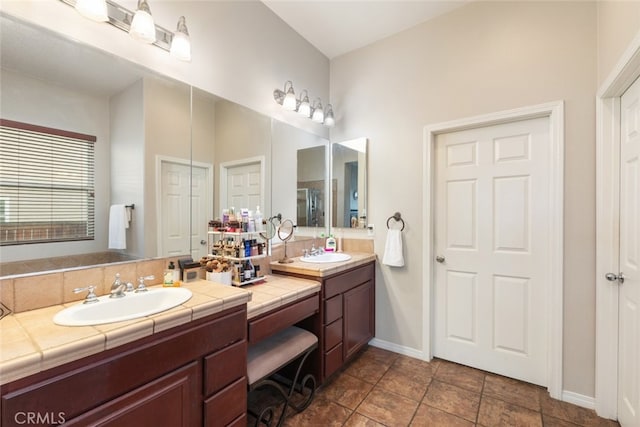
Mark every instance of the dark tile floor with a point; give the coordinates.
(382, 388)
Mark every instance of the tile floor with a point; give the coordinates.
(382, 388)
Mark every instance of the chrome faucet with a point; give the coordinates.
(118, 288)
(141, 286)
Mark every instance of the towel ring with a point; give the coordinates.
(398, 218)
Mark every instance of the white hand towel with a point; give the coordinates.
(118, 224)
(393, 249)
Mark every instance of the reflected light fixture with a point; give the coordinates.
(329, 120)
(318, 114)
(142, 27)
(96, 10)
(304, 108)
(181, 44)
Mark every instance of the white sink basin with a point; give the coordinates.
(131, 306)
(326, 257)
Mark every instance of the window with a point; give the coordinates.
(47, 184)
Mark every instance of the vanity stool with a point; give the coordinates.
(267, 357)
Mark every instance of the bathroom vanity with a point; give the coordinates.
(189, 375)
(346, 322)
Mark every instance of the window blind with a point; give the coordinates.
(47, 184)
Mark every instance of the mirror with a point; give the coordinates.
(137, 117)
(299, 177)
(349, 183)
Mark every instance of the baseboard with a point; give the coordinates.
(396, 348)
(579, 399)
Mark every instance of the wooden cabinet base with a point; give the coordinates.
(163, 379)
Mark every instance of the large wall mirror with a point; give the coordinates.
(137, 116)
(176, 152)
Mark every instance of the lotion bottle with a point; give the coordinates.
(330, 244)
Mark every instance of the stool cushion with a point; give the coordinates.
(269, 355)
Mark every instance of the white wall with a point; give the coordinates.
(33, 101)
(481, 58)
(127, 161)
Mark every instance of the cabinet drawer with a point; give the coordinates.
(332, 360)
(345, 281)
(281, 318)
(224, 367)
(241, 421)
(227, 405)
(332, 309)
(333, 334)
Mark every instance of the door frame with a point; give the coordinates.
(242, 162)
(160, 161)
(608, 135)
(554, 289)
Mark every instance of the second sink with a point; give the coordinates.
(132, 306)
(327, 257)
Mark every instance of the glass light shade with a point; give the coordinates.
(304, 108)
(181, 43)
(329, 120)
(142, 27)
(181, 47)
(289, 102)
(318, 114)
(96, 10)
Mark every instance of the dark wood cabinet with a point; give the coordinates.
(346, 322)
(349, 316)
(191, 375)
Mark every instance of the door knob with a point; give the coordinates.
(203, 242)
(615, 277)
(440, 259)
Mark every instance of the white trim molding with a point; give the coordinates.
(608, 115)
(555, 112)
(396, 348)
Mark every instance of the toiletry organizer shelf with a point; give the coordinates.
(240, 263)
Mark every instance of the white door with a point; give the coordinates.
(492, 231)
(200, 211)
(629, 297)
(184, 228)
(244, 186)
(175, 213)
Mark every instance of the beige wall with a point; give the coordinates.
(481, 58)
(618, 24)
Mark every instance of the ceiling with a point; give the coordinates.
(336, 27)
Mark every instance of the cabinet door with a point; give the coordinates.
(172, 400)
(358, 319)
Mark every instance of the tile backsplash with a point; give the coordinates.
(38, 290)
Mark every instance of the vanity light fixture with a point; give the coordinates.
(96, 10)
(181, 43)
(304, 108)
(142, 27)
(317, 114)
(329, 120)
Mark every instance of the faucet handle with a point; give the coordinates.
(141, 286)
(305, 253)
(91, 296)
(129, 287)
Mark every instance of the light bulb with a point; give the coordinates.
(96, 10)
(181, 43)
(142, 27)
(289, 102)
(318, 114)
